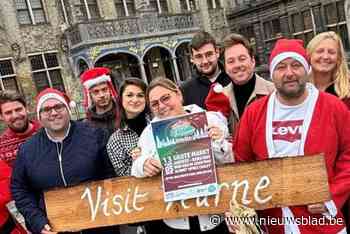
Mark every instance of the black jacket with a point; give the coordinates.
(107, 120)
(37, 168)
(196, 89)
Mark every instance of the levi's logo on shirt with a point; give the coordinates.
(287, 130)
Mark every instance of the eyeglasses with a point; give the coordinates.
(165, 99)
(48, 109)
(208, 55)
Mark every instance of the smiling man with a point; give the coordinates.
(205, 58)
(296, 120)
(246, 85)
(62, 153)
(14, 114)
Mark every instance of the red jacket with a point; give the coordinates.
(10, 141)
(5, 196)
(329, 133)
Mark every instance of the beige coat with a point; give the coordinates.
(262, 88)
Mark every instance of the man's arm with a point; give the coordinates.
(27, 202)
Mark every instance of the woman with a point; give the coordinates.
(122, 143)
(165, 100)
(329, 68)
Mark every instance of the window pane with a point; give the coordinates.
(40, 81)
(210, 4)
(343, 33)
(51, 60)
(94, 13)
(35, 4)
(10, 83)
(21, 4)
(297, 23)
(276, 27)
(183, 5)
(331, 13)
(267, 29)
(193, 5)
(308, 37)
(341, 11)
(39, 16)
(120, 8)
(164, 6)
(6, 68)
(218, 5)
(37, 62)
(56, 80)
(23, 17)
(131, 8)
(307, 20)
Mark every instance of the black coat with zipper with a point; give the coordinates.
(38, 168)
(196, 89)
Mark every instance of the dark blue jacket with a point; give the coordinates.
(37, 168)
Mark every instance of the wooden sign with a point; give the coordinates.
(261, 185)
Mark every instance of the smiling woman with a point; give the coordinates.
(329, 67)
(165, 100)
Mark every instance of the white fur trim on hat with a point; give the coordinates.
(48, 96)
(97, 80)
(218, 88)
(282, 56)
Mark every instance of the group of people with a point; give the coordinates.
(309, 91)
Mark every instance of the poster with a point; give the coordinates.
(185, 151)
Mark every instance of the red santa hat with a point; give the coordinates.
(288, 48)
(94, 77)
(50, 93)
(217, 100)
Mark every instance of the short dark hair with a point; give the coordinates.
(200, 39)
(11, 96)
(130, 81)
(235, 39)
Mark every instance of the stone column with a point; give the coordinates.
(176, 70)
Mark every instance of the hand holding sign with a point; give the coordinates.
(152, 167)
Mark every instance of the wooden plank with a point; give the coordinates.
(264, 184)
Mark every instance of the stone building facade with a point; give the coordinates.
(264, 21)
(49, 43)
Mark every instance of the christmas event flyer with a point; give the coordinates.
(184, 149)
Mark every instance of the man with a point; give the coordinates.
(205, 57)
(100, 99)
(318, 119)
(63, 153)
(246, 85)
(14, 114)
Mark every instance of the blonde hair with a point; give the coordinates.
(162, 82)
(340, 75)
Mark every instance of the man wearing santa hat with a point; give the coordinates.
(61, 154)
(100, 99)
(297, 119)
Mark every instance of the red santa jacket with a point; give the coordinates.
(10, 141)
(5, 197)
(329, 133)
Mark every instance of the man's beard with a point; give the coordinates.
(291, 95)
(20, 130)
